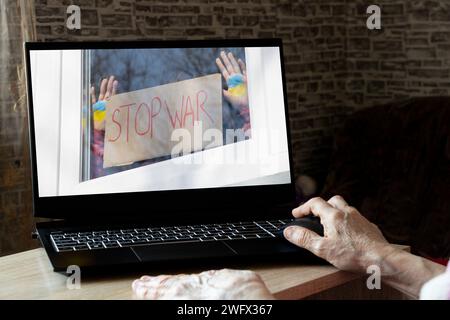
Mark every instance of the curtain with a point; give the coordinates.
(16, 26)
(16, 221)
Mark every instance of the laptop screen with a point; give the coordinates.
(119, 120)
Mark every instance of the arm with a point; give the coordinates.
(352, 243)
(407, 272)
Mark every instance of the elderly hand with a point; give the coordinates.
(223, 284)
(350, 241)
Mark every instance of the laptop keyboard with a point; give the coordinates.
(117, 238)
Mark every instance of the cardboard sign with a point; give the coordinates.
(139, 124)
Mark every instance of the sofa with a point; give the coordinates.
(392, 162)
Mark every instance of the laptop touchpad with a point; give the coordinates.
(176, 251)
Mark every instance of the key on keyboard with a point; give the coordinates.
(104, 239)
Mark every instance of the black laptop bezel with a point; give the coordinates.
(159, 206)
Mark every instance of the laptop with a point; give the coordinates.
(159, 152)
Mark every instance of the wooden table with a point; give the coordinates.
(29, 275)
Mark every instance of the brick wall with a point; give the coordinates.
(410, 56)
(334, 65)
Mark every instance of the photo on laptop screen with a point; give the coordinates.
(150, 119)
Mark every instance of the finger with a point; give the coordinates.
(114, 89)
(109, 87)
(140, 292)
(305, 238)
(157, 281)
(93, 98)
(243, 67)
(222, 69)
(210, 273)
(149, 293)
(234, 63)
(148, 280)
(338, 202)
(316, 206)
(136, 283)
(147, 287)
(103, 85)
(227, 62)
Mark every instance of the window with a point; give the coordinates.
(137, 69)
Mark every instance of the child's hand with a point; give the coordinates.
(108, 88)
(235, 75)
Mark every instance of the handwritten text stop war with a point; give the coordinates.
(139, 124)
(188, 112)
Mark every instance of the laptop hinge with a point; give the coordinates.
(34, 235)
